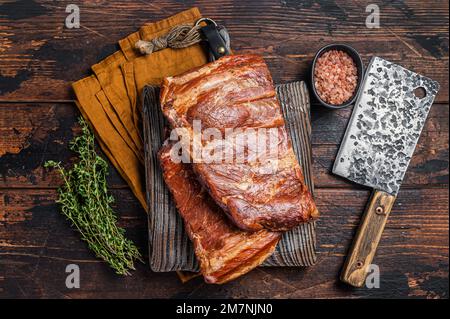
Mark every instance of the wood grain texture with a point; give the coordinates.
(36, 244)
(39, 56)
(35, 132)
(365, 244)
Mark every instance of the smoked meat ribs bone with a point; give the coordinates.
(236, 92)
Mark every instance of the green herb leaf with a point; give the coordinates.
(85, 202)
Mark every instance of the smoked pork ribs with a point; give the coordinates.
(235, 95)
(224, 251)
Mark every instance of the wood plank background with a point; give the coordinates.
(39, 58)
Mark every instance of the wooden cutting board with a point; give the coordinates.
(169, 247)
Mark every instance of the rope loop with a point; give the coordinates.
(181, 36)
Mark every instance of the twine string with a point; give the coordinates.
(181, 36)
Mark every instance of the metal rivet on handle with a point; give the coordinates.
(359, 264)
(380, 210)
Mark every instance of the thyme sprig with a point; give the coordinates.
(86, 203)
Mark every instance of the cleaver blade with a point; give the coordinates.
(385, 126)
(377, 147)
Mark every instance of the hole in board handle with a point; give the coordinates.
(420, 92)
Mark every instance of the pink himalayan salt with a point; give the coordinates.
(336, 77)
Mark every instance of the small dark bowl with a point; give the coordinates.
(359, 65)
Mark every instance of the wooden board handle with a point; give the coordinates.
(368, 236)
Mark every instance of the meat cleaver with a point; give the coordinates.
(380, 139)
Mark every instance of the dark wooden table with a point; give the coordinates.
(39, 58)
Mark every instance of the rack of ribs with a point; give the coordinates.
(235, 96)
(224, 251)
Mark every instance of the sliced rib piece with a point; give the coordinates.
(236, 92)
(224, 252)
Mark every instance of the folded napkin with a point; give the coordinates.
(108, 99)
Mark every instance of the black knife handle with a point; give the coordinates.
(217, 44)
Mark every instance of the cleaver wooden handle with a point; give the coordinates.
(367, 238)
